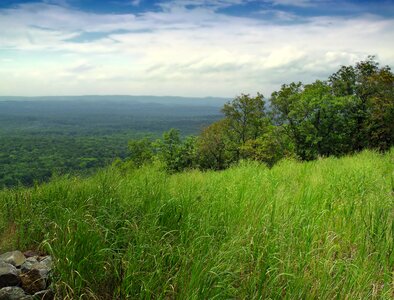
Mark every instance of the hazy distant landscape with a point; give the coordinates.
(42, 136)
(106, 114)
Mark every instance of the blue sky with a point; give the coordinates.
(184, 47)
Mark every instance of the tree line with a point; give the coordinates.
(350, 111)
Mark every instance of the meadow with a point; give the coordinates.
(300, 230)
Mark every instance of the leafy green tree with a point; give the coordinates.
(270, 147)
(344, 81)
(212, 146)
(246, 118)
(141, 151)
(317, 121)
(188, 153)
(168, 149)
(177, 154)
(372, 89)
(288, 112)
(328, 121)
(380, 121)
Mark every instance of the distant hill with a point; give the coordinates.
(97, 113)
(167, 100)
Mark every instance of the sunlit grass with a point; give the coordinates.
(321, 229)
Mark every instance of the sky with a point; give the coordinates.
(184, 47)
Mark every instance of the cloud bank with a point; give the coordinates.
(182, 47)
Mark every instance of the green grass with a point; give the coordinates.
(321, 229)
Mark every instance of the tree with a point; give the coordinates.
(177, 154)
(331, 120)
(212, 144)
(372, 89)
(317, 121)
(168, 149)
(380, 120)
(289, 112)
(188, 153)
(141, 151)
(270, 147)
(246, 118)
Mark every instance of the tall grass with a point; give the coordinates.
(321, 229)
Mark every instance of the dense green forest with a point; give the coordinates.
(44, 136)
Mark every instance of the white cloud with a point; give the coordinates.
(299, 3)
(212, 4)
(178, 51)
(57, 2)
(135, 2)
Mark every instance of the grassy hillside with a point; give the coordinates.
(321, 229)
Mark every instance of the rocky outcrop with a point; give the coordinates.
(25, 276)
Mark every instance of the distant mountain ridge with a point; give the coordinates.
(170, 100)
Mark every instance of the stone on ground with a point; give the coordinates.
(8, 275)
(13, 293)
(25, 276)
(33, 281)
(15, 258)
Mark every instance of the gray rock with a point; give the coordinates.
(47, 261)
(15, 258)
(44, 295)
(28, 265)
(33, 281)
(8, 275)
(32, 259)
(41, 268)
(43, 264)
(13, 293)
